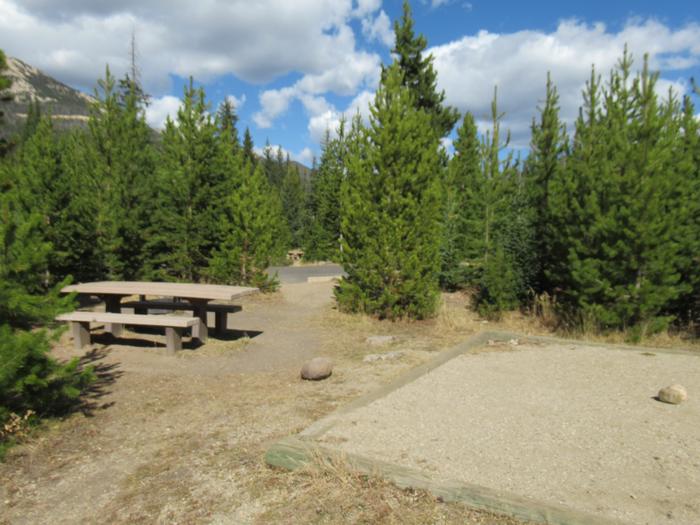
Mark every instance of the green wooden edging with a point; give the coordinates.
(295, 452)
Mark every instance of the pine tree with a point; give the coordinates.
(253, 217)
(30, 379)
(76, 243)
(123, 170)
(324, 239)
(226, 120)
(493, 224)
(191, 192)
(548, 150)
(615, 209)
(294, 198)
(32, 121)
(463, 170)
(248, 149)
(5, 83)
(49, 186)
(390, 210)
(419, 75)
(687, 164)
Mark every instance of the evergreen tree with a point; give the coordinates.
(248, 149)
(496, 237)
(616, 211)
(191, 192)
(123, 167)
(50, 180)
(226, 120)
(250, 238)
(548, 149)
(294, 198)
(463, 172)
(32, 121)
(5, 83)
(419, 75)
(30, 379)
(687, 164)
(324, 239)
(390, 210)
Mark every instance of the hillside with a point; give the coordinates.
(67, 105)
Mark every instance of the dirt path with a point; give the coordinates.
(181, 440)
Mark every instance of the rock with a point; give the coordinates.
(674, 394)
(317, 368)
(371, 358)
(380, 340)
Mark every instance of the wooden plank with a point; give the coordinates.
(292, 453)
(184, 290)
(131, 319)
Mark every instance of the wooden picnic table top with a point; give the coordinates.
(183, 290)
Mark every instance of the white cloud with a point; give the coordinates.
(159, 109)
(354, 72)
(237, 102)
(379, 29)
(274, 102)
(329, 120)
(255, 41)
(434, 4)
(518, 63)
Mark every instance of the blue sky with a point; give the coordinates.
(294, 67)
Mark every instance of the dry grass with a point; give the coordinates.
(329, 491)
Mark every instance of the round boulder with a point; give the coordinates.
(317, 368)
(674, 394)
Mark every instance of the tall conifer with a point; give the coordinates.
(324, 240)
(419, 75)
(390, 210)
(613, 210)
(191, 193)
(548, 149)
(123, 169)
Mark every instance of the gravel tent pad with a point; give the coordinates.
(548, 430)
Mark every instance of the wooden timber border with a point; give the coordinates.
(301, 450)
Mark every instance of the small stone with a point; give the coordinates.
(380, 340)
(371, 358)
(514, 342)
(674, 394)
(316, 369)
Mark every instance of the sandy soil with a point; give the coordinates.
(571, 425)
(182, 440)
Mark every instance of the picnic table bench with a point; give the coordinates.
(174, 325)
(195, 297)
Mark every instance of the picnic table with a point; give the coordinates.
(198, 295)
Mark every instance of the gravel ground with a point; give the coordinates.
(572, 425)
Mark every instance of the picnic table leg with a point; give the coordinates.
(113, 305)
(142, 310)
(81, 334)
(173, 339)
(200, 331)
(220, 324)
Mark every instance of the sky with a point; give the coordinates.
(294, 67)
